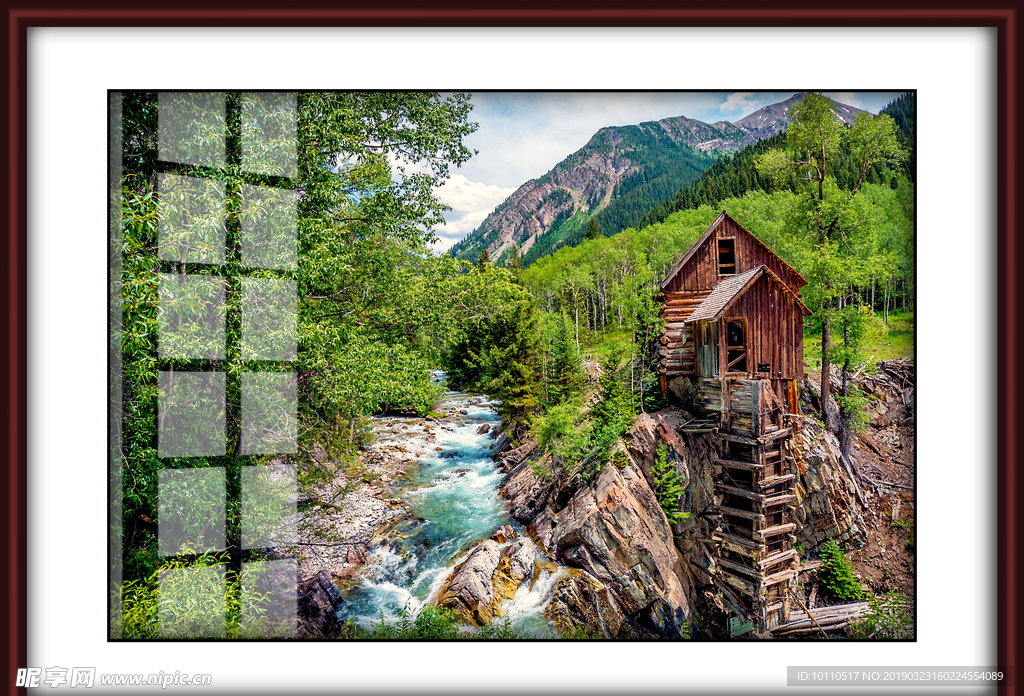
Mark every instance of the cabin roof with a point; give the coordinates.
(707, 233)
(722, 297)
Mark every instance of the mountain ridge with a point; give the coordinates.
(621, 173)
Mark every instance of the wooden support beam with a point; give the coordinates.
(776, 480)
(743, 493)
(788, 574)
(740, 568)
(779, 557)
(778, 434)
(740, 541)
(736, 464)
(738, 583)
(756, 516)
(779, 500)
(774, 531)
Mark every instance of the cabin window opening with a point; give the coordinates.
(727, 256)
(736, 344)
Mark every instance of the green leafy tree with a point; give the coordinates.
(368, 165)
(842, 244)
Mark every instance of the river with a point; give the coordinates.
(453, 488)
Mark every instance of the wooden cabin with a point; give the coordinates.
(733, 347)
(732, 310)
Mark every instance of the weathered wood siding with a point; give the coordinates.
(774, 329)
(700, 272)
(706, 333)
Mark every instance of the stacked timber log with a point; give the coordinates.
(676, 355)
(832, 618)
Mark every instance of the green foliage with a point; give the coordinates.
(888, 618)
(430, 622)
(581, 441)
(564, 377)
(900, 524)
(731, 176)
(579, 632)
(836, 573)
(669, 486)
(611, 416)
(685, 630)
(231, 614)
(368, 320)
(496, 347)
(593, 229)
(483, 260)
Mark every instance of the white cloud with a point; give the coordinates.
(848, 98)
(742, 102)
(471, 202)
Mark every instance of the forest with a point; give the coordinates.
(376, 311)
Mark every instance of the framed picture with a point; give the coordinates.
(244, 93)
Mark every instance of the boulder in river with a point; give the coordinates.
(468, 590)
(504, 534)
(319, 599)
(483, 429)
(515, 565)
(581, 606)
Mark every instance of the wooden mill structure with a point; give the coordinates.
(733, 341)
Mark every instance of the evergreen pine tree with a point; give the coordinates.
(566, 377)
(515, 265)
(483, 260)
(593, 229)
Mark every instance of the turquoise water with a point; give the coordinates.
(455, 493)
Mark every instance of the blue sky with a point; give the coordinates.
(522, 135)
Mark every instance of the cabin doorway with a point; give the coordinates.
(736, 345)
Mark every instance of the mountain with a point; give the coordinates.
(620, 175)
(735, 175)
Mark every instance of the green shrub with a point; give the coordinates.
(888, 618)
(836, 573)
(195, 613)
(429, 623)
(668, 485)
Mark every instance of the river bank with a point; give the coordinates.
(390, 533)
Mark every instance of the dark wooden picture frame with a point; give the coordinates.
(20, 19)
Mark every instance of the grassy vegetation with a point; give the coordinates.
(428, 623)
(884, 343)
(614, 343)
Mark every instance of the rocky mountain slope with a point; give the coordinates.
(623, 172)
